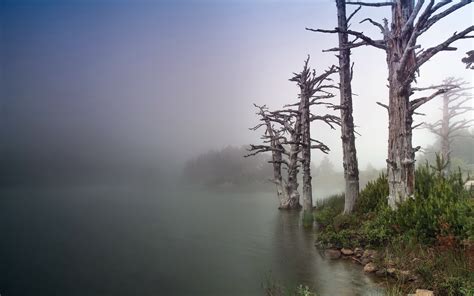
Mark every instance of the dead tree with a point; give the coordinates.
(313, 91)
(408, 23)
(290, 121)
(449, 126)
(349, 152)
(274, 141)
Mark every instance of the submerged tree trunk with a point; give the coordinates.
(293, 201)
(277, 159)
(306, 153)
(349, 152)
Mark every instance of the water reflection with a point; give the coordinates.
(139, 242)
(302, 263)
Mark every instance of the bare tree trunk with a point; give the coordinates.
(306, 153)
(277, 177)
(349, 152)
(293, 201)
(445, 136)
(401, 155)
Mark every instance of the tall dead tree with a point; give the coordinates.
(313, 91)
(349, 152)
(290, 121)
(449, 126)
(274, 142)
(409, 22)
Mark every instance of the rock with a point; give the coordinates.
(358, 252)
(381, 272)
(370, 267)
(364, 261)
(391, 271)
(390, 262)
(421, 292)
(333, 254)
(347, 252)
(370, 254)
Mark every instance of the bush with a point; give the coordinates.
(441, 208)
(457, 286)
(373, 196)
(348, 238)
(327, 209)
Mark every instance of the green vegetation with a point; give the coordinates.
(272, 288)
(431, 235)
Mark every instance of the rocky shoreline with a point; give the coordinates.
(374, 262)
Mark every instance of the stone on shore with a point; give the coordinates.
(347, 252)
(370, 267)
(422, 292)
(391, 271)
(333, 254)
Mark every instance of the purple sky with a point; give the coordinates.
(143, 80)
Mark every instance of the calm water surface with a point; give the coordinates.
(103, 241)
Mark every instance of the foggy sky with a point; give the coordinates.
(153, 82)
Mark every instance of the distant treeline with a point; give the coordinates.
(229, 169)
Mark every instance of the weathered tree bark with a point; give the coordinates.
(401, 155)
(306, 151)
(409, 21)
(349, 152)
(445, 140)
(292, 183)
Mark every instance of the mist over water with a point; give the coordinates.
(159, 241)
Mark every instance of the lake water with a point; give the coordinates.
(144, 241)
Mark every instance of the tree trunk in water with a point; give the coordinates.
(349, 153)
(293, 201)
(306, 155)
(401, 155)
(282, 193)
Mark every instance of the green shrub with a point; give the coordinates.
(443, 212)
(379, 230)
(441, 207)
(348, 238)
(373, 196)
(327, 209)
(457, 286)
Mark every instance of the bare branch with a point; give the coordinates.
(378, 25)
(376, 4)
(367, 40)
(431, 21)
(328, 119)
(430, 52)
(353, 13)
(418, 102)
(383, 105)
